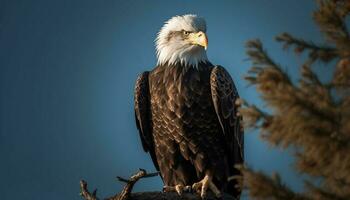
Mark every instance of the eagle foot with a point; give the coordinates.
(206, 183)
(179, 189)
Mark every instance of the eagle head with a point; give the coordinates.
(182, 40)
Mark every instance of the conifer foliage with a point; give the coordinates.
(311, 116)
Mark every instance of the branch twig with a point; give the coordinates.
(124, 194)
(85, 192)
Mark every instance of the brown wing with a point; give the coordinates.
(224, 95)
(143, 115)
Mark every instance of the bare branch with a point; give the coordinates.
(85, 192)
(126, 194)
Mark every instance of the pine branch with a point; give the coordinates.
(324, 53)
(312, 117)
(341, 77)
(275, 85)
(258, 55)
(330, 18)
(264, 69)
(343, 7)
(263, 187)
(309, 78)
(323, 193)
(254, 117)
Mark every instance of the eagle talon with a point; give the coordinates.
(179, 189)
(202, 186)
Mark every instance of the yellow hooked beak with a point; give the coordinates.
(199, 38)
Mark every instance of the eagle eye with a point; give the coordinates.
(186, 32)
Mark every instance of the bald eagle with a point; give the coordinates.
(186, 113)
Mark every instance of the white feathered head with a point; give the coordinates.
(182, 40)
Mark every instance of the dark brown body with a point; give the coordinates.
(185, 134)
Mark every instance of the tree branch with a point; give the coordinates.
(126, 194)
(325, 53)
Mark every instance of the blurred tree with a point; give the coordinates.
(312, 117)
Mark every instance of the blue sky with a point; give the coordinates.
(67, 72)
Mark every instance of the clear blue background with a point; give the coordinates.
(67, 72)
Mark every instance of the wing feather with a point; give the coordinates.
(224, 95)
(143, 115)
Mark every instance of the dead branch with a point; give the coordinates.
(126, 194)
(84, 192)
